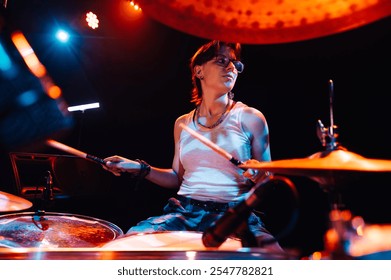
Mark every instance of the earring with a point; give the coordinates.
(199, 75)
(231, 95)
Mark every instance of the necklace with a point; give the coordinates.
(219, 121)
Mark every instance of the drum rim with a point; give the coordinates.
(169, 231)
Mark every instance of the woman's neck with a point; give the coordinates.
(214, 107)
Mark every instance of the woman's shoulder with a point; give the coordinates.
(250, 113)
(247, 109)
(185, 118)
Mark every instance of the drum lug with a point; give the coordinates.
(39, 215)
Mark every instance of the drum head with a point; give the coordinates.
(54, 230)
(173, 240)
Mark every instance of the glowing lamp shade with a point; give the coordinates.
(265, 21)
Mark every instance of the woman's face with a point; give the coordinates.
(220, 73)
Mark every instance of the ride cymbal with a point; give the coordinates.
(323, 164)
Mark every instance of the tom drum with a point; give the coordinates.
(171, 240)
(55, 230)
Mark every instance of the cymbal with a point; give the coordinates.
(265, 21)
(10, 202)
(323, 164)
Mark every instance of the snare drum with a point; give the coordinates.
(167, 240)
(55, 230)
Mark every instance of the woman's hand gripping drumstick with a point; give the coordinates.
(114, 164)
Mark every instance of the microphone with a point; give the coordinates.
(232, 221)
(216, 234)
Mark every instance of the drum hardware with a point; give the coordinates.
(330, 168)
(46, 196)
(48, 191)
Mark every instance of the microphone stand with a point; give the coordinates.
(247, 238)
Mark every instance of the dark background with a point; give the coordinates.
(137, 69)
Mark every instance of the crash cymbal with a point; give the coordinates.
(10, 202)
(323, 164)
(265, 21)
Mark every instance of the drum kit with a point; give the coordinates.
(47, 236)
(41, 235)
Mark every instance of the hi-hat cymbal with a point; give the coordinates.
(323, 164)
(10, 202)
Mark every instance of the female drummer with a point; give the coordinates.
(208, 184)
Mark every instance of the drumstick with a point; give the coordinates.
(211, 145)
(73, 151)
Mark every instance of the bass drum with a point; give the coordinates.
(55, 230)
(166, 241)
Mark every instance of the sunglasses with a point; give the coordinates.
(223, 61)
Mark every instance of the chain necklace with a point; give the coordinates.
(219, 121)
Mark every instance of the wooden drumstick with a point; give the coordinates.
(65, 148)
(211, 145)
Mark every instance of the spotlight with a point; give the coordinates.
(92, 20)
(62, 35)
(83, 107)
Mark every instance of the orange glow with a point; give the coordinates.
(54, 92)
(35, 65)
(265, 21)
(28, 54)
(331, 240)
(135, 6)
(317, 256)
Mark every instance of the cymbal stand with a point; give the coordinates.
(328, 136)
(47, 198)
(342, 227)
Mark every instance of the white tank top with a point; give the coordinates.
(208, 175)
